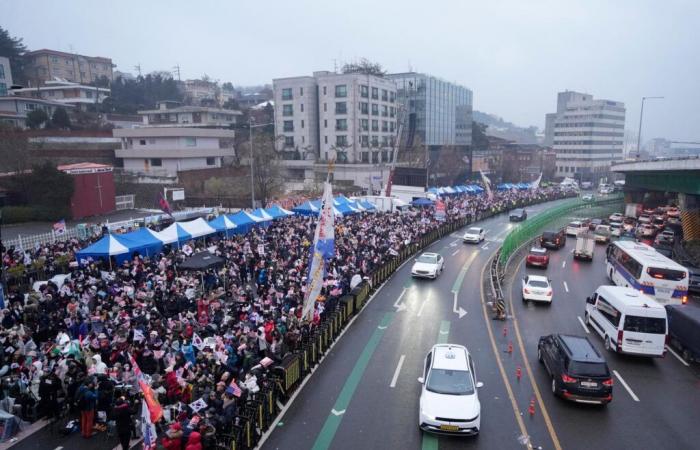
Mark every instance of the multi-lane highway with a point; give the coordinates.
(365, 393)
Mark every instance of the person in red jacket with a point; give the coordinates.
(194, 442)
(173, 437)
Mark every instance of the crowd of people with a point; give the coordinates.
(204, 340)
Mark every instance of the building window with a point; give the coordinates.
(341, 125)
(341, 108)
(364, 157)
(288, 125)
(364, 108)
(392, 126)
(375, 157)
(325, 123)
(301, 91)
(325, 139)
(211, 161)
(2, 72)
(287, 94)
(385, 111)
(142, 142)
(375, 141)
(289, 141)
(364, 91)
(3, 88)
(301, 107)
(364, 124)
(385, 141)
(375, 94)
(325, 107)
(287, 110)
(190, 142)
(156, 162)
(341, 90)
(392, 111)
(341, 141)
(375, 125)
(375, 109)
(392, 97)
(385, 95)
(302, 124)
(324, 90)
(385, 126)
(364, 141)
(385, 156)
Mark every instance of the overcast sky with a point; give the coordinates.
(514, 55)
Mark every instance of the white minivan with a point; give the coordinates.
(628, 321)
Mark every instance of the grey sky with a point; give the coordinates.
(514, 55)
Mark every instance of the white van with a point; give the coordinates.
(576, 226)
(628, 321)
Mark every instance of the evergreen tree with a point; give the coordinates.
(14, 49)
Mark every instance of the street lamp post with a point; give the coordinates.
(641, 116)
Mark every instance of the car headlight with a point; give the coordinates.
(427, 416)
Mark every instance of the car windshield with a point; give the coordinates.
(588, 369)
(575, 224)
(474, 230)
(538, 284)
(639, 324)
(454, 382)
(427, 259)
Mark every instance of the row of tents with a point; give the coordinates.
(148, 242)
(456, 190)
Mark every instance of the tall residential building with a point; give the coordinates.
(5, 76)
(44, 65)
(587, 135)
(436, 111)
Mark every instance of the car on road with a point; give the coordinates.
(517, 215)
(674, 212)
(538, 257)
(449, 399)
(615, 229)
(428, 265)
(537, 288)
(588, 197)
(553, 239)
(659, 222)
(693, 279)
(594, 223)
(666, 237)
(573, 228)
(602, 234)
(576, 369)
(644, 218)
(646, 230)
(627, 320)
(616, 217)
(474, 235)
(585, 246)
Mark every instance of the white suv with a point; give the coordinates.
(474, 235)
(449, 401)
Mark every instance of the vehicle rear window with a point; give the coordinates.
(665, 274)
(538, 284)
(588, 369)
(638, 324)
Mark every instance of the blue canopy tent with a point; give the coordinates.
(223, 224)
(367, 205)
(422, 202)
(476, 188)
(244, 221)
(174, 234)
(523, 186)
(345, 209)
(340, 199)
(105, 248)
(306, 209)
(146, 241)
(278, 212)
(264, 215)
(433, 191)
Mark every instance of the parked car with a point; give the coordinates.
(474, 235)
(577, 371)
(594, 223)
(646, 230)
(537, 288)
(659, 222)
(518, 215)
(588, 197)
(553, 239)
(538, 257)
(428, 265)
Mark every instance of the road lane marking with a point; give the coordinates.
(485, 246)
(563, 264)
(456, 251)
(397, 304)
(501, 369)
(397, 371)
(430, 441)
(337, 413)
(422, 305)
(679, 357)
(583, 324)
(444, 332)
(458, 285)
(626, 386)
(528, 368)
(566, 286)
(325, 436)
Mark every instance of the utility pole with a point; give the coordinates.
(641, 117)
(138, 68)
(176, 69)
(251, 120)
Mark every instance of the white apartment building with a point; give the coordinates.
(163, 151)
(5, 76)
(349, 117)
(587, 135)
(14, 108)
(69, 93)
(172, 114)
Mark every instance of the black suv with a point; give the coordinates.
(518, 215)
(577, 370)
(553, 239)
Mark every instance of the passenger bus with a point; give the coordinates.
(639, 266)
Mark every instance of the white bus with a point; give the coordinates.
(639, 266)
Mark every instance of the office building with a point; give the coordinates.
(46, 65)
(587, 135)
(5, 76)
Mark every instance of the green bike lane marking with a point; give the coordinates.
(330, 427)
(430, 441)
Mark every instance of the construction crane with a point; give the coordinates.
(395, 150)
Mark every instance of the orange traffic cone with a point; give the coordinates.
(531, 408)
(518, 373)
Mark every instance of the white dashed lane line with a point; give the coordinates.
(566, 287)
(397, 371)
(626, 386)
(583, 324)
(678, 357)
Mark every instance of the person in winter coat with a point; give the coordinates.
(194, 442)
(100, 367)
(122, 414)
(87, 399)
(173, 437)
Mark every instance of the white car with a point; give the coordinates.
(537, 288)
(616, 229)
(428, 265)
(474, 235)
(449, 400)
(587, 197)
(575, 227)
(617, 217)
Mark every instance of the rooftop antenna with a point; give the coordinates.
(138, 68)
(176, 69)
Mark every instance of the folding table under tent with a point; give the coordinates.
(277, 212)
(223, 224)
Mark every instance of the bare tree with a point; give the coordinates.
(365, 67)
(14, 150)
(267, 173)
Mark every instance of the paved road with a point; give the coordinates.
(667, 413)
(365, 393)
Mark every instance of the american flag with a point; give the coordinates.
(234, 389)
